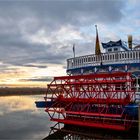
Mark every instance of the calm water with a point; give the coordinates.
(20, 119)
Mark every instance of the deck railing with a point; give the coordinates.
(132, 56)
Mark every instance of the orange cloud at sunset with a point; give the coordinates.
(30, 76)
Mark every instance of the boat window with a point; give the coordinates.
(90, 58)
(116, 56)
(97, 58)
(81, 60)
(128, 55)
(122, 55)
(78, 61)
(131, 55)
(113, 56)
(74, 62)
(134, 55)
(107, 57)
(125, 55)
(115, 49)
(103, 57)
(94, 58)
(109, 50)
(85, 59)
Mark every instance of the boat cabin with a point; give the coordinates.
(113, 46)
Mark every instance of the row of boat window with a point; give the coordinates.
(111, 49)
(105, 57)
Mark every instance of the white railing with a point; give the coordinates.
(132, 56)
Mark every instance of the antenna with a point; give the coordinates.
(74, 50)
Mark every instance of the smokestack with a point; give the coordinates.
(130, 41)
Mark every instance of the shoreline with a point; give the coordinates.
(22, 91)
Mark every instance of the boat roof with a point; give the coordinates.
(118, 43)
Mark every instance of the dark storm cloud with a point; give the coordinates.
(68, 11)
(36, 66)
(71, 12)
(38, 79)
(22, 55)
(21, 19)
(16, 49)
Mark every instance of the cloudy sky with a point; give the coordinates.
(36, 36)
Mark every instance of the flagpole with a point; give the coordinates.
(96, 29)
(97, 46)
(74, 50)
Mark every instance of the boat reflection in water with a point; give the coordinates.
(70, 132)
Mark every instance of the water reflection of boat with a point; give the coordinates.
(99, 91)
(68, 132)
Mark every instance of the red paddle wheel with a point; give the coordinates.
(94, 100)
